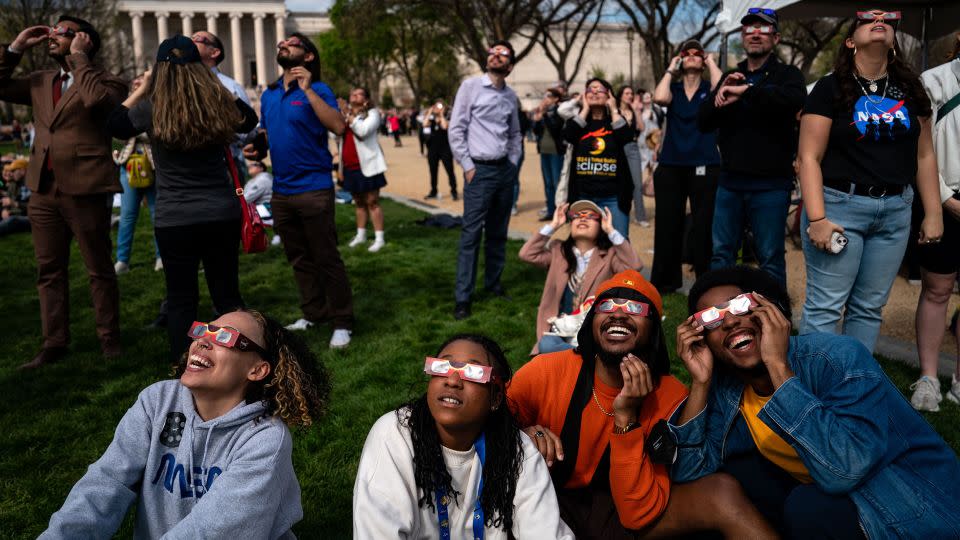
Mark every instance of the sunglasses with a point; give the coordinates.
(499, 52)
(691, 52)
(601, 91)
(584, 214)
(204, 41)
(758, 11)
(890, 17)
(439, 367)
(63, 31)
(712, 317)
(292, 42)
(763, 29)
(225, 337)
(630, 307)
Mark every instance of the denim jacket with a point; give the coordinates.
(853, 430)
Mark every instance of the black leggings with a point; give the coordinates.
(182, 248)
(433, 160)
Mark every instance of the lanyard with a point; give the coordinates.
(442, 517)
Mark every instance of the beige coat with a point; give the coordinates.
(539, 251)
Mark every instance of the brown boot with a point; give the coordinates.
(47, 355)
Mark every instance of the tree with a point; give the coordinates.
(805, 40)
(655, 21)
(423, 51)
(357, 50)
(562, 40)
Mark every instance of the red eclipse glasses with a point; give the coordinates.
(889, 17)
(691, 52)
(583, 214)
(712, 317)
(225, 337)
(441, 367)
(630, 307)
(763, 29)
(62, 31)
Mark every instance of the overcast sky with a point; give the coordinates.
(309, 5)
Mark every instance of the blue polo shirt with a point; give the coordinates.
(298, 141)
(683, 144)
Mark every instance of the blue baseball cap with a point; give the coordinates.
(178, 50)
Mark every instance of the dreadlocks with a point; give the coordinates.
(504, 451)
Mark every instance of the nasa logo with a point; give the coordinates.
(885, 119)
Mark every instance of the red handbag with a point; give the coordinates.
(252, 231)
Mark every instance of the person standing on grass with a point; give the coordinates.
(754, 113)
(362, 166)
(548, 127)
(940, 262)
(485, 138)
(208, 455)
(816, 434)
(630, 107)
(71, 175)
(436, 124)
(689, 164)
(191, 119)
(297, 111)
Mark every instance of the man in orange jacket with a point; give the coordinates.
(598, 415)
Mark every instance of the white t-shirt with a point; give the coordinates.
(385, 494)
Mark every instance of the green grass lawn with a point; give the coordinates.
(60, 419)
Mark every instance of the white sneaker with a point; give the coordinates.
(954, 393)
(926, 394)
(357, 240)
(645, 224)
(301, 324)
(376, 245)
(158, 266)
(121, 267)
(276, 240)
(340, 338)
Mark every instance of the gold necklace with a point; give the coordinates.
(597, 401)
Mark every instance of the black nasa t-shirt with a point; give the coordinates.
(873, 144)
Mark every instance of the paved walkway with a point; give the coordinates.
(409, 180)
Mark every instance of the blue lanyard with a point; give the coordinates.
(443, 518)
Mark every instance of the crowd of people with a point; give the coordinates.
(778, 435)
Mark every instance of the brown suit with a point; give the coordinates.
(72, 195)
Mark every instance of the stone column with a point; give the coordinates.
(236, 47)
(212, 23)
(163, 31)
(136, 18)
(186, 20)
(260, 48)
(280, 19)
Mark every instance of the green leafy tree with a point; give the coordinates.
(358, 50)
(422, 50)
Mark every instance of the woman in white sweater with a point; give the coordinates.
(362, 166)
(444, 463)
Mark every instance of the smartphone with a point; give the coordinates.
(260, 144)
(837, 242)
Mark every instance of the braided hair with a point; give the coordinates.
(504, 455)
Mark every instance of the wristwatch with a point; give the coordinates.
(617, 430)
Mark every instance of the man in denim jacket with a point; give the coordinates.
(819, 438)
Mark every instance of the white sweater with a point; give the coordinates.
(385, 494)
(942, 83)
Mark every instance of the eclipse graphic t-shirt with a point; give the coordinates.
(597, 159)
(875, 143)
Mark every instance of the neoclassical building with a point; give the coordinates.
(249, 29)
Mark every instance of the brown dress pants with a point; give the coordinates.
(55, 219)
(306, 224)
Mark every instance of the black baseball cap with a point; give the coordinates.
(188, 51)
(765, 15)
(691, 44)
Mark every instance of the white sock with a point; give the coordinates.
(378, 236)
(361, 233)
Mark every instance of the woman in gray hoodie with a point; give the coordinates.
(207, 455)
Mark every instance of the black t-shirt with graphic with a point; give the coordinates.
(598, 167)
(873, 144)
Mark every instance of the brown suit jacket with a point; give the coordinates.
(602, 266)
(74, 132)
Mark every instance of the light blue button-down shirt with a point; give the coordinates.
(484, 123)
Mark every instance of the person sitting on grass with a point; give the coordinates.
(598, 415)
(592, 253)
(820, 439)
(453, 459)
(208, 455)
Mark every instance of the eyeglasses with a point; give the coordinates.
(691, 52)
(499, 52)
(292, 42)
(204, 41)
(889, 17)
(225, 337)
(440, 367)
(712, 317)
(630, 307)
(584, 214)
(601, 91)
(63, 31)
(764, 29)
(765, 11)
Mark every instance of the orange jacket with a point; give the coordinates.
(540, 392)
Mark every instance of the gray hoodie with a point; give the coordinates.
(242, 483)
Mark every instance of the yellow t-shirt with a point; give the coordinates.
(771, 445)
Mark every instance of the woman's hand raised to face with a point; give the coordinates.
(559, 216)
(606, 221)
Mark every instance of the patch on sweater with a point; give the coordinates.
(173, 429)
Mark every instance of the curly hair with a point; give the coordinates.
(504, 455)
(298, 386)
(899, 71)
(745, 278)
(191, 109)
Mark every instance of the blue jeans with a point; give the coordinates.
(621, 221)
(635, 164)
(487, 200)
(549, 344)
(551, 166)
(129, 211)
(516, 181)
(767, 215)
(859, 278)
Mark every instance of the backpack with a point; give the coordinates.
(139, 171)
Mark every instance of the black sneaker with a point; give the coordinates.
(461, 310)
(431, 195)
(453, 195)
